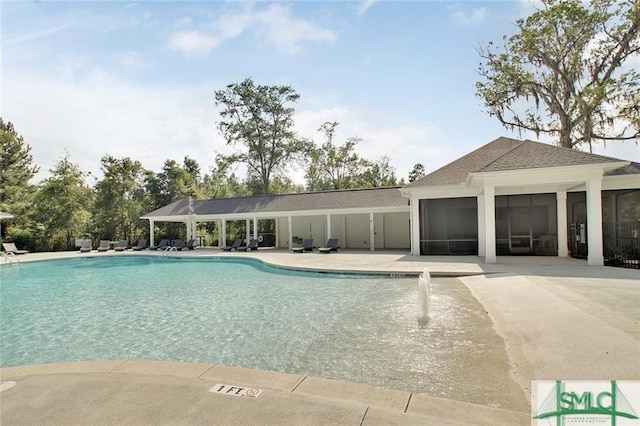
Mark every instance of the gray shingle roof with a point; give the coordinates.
(326, 200)
(508, 154)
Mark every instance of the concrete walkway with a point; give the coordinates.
(559, 318)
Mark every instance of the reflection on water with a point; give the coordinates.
(360, 329)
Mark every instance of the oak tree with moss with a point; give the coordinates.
(568, 73)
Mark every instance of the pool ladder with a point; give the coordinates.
(10, 257)
(167, 252)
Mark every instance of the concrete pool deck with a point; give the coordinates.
(559, 318)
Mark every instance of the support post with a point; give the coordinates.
(223, 230)
(255, 228)
(482, 227)
(594, 223)
(415, 226)
(561, 213)
(490, 224)
(151, 232)
(372, 233)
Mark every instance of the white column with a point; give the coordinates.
(372, 233)
(223, 231)
(277, 243)
(594, 223)
(328, 226)
(415, 226)
(482, 227)
(247, 232)
(490, 224)
(290, 238)
(255, 228)
(189, 224)
(561, 213)
(151, 232)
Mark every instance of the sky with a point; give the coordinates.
(137, 79)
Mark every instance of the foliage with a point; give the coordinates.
(333, 166)
(568, 73)
(16, 170)
(62, 207)
(258, 121)
(120, 200)
(174, 182)
(417, 172)
(380, 174)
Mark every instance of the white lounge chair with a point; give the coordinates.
(11, 248)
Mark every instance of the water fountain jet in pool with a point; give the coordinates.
(424, 284)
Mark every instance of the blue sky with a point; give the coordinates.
(136, 79)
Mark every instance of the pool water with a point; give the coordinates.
(242, 313)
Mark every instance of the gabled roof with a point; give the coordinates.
(509, 154)
(370, 198)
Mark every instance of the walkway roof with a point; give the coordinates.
(307, 203)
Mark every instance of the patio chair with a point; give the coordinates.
(332, 245)
(164, 243)
(86, 246)
(307, 245)
(253, 245)
(237, 243)
(122, 246)
(11, 248)
(191, 244)
(142, 244)
(104, 245)
(177, 244)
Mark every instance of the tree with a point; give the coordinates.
(381, 173)
(16, 170)
(120, 200)
(568, 73)
(335, 167)
(62, 206)
(258, 119)
(174, 182)
(417, 172)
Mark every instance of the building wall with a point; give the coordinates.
(397, 234)
(357, 231)
(352, 231)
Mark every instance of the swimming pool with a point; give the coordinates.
(243, 313)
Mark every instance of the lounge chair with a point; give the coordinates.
(191, 244)
(122, 246)
(332, 245)
(307, 245)
(86, 246)
(253, 245)
(237, 243)
(11, 248)
(164, 243)
(142, 244)
(177, 244)
(104, 245)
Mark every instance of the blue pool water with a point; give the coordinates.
(233, 312)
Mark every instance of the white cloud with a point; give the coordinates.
(363, 6)
(463, 17)
(100, 116)
(275, 24)
(286, 32)
(9, 41)
(193, 42)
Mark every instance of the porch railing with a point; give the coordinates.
(621, 241)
